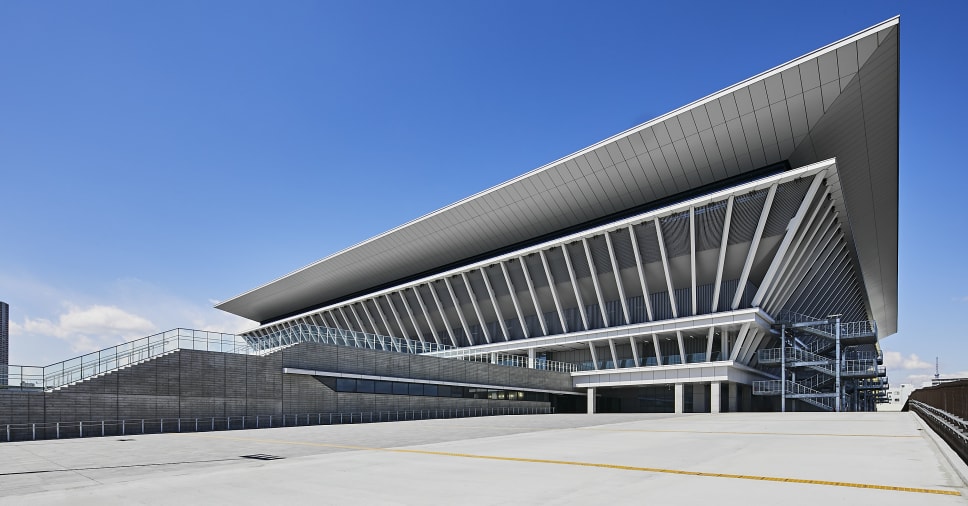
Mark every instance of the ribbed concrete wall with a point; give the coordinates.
(191, 384)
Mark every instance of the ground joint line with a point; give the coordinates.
(599, 465)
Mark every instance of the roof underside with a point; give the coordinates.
(840, 102)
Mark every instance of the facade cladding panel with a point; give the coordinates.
(795, 115)
(190, 384)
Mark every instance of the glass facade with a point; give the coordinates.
(430, 390)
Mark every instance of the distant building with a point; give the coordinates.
(896, 397)
(4, 340)
(4, 333)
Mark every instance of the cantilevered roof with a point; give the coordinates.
(840, 101)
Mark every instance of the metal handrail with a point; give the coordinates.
(135, 426)
(90, 365)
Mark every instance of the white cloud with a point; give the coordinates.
(88, 328)
(49, 323)
(895, 360)
(918, 379)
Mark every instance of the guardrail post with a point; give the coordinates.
(161, 426)
(142, 425)
(213, 423)
(57, 427)
(122, 427)
(80, 429)
(102, 428)
(33, 431)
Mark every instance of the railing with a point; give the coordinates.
(949, 425)
(130, 353)
(861, 368)
(774, 355)
(123, 355)
(774, 387)
(767, 387)
(951, 397)
(505, 359)
(825, 325)
(136, 426)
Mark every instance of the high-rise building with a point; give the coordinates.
(4, 333)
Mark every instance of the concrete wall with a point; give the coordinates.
(190, 384)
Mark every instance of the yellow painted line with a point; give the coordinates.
(597, 465)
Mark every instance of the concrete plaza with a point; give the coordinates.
(737, 458)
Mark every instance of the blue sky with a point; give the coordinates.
(156, 157)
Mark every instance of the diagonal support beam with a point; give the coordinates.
(722, 254)
(682, 347)
(692, 258)
(635, 352)
(593, 273)
(618, 278)
(460, 312)
(641, 270)
(554, 290)
(514, 300)
(443, 315)
(426, 314)
(477, 308)
(534, 295)
(501, 322)
(611, 348)
(413, 321)
(665, 268)
(591, 348)
(709, 343)
(791, 231)
(751, 255)
(574, 284)
(658, 348)
(740, 341)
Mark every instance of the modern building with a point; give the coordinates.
(4, 333)
(737, 253)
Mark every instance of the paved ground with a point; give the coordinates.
(741, 458)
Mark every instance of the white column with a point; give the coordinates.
(733, 397)
(679, 394)
(714, 402)
(591, 401)
(493, 358)
(531, 358)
